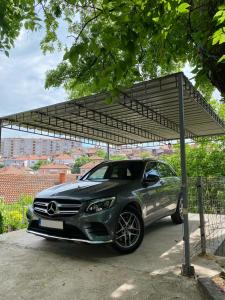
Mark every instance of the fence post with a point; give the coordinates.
(201, 214)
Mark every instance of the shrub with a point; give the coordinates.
(13, 220)
(13, 216)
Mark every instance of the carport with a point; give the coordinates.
(164, 109)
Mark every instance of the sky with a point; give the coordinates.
(22, 78)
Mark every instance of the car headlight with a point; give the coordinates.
(101, 204)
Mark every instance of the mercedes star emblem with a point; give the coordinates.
(51, 208)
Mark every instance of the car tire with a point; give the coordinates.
(177, 217)
(129, 231)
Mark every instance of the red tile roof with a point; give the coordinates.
(54, 166)
(12, 170)
(31, 157)
(63, 157)
(95, 157)
(89, 165)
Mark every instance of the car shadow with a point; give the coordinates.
(156, 232)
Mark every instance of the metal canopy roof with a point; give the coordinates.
(146, 112)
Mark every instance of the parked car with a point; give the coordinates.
(112, 203)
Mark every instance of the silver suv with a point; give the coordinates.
(112, 203)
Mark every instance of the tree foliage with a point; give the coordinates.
(118, 156)
(101, 153)
(80, 162)
(38, 164)
(206, 159)
(110, 44)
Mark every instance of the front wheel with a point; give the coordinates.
(177, 217)
(129, 231)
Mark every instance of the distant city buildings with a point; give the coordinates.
(52, 156)
(13, 147)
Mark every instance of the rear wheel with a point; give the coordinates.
(129, 231)
(177, 217)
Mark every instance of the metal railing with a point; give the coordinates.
(207, 215)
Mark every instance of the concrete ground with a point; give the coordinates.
(33, 268)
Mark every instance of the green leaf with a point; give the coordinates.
(156, 19)
(183, 8)
(222, 58)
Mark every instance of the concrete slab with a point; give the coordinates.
(33, 268)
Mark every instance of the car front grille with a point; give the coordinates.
(64, 207)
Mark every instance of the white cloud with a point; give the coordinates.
(22, 76)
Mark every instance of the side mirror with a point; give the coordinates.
(151, 179)
(79, 177)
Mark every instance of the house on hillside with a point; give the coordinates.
(87, 167)
(96, 159)
(77, 153)
(91, 151)
(64, 159)
(25, 161)
(16, 170)
(54, 169)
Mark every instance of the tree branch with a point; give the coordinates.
(85, 25)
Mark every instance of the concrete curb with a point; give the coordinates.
(210, 290)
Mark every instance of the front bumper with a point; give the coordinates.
(95, 228)
(67, 239)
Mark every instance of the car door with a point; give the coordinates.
(152, 194)
(170, 187)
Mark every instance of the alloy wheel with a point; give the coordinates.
(128, 230)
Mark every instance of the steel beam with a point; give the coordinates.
(187, 269)
(104, 119)
(147, 112)
(50, 133)
(202, 102)
(82, 129)
(44, 121)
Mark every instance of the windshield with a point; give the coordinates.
(126, 170)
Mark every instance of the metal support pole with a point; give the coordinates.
(108, 152)
(187, 269)
(201, 214)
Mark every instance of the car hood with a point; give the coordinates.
(87, 190)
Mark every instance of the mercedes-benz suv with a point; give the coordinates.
(112, 203)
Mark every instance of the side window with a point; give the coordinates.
(151, 169)
(165, 171)
(98, 174)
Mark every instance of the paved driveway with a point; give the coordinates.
(33, 268)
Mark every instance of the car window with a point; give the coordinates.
(165, 170)
(99, 173)
(118, 170)
(151, 169)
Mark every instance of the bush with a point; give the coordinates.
(14, 220)
(13, 216)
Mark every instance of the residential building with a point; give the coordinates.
(64, 159)
(12, 147)
(26, 160)
(54, 169)
(87, 167)
(16, 170)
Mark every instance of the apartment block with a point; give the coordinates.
(12, 147)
